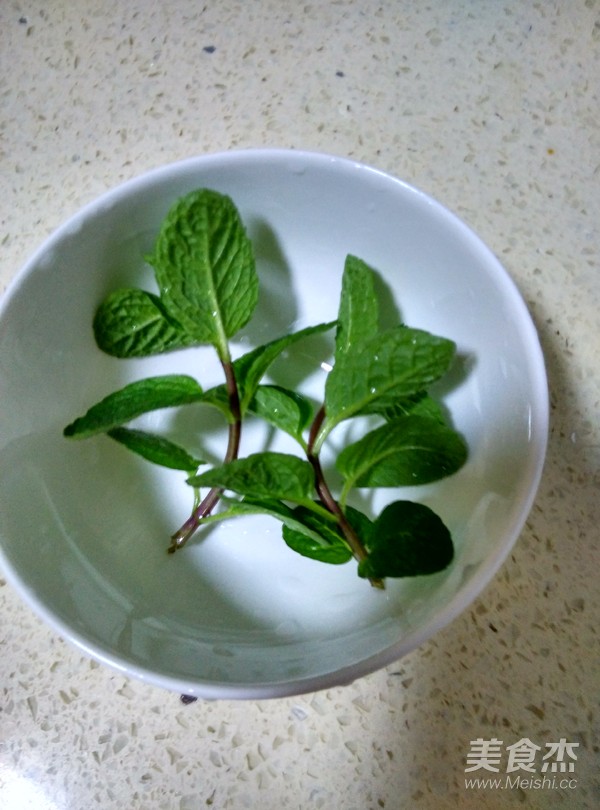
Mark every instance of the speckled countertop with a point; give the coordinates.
(493, 108)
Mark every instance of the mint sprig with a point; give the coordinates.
(207, 290)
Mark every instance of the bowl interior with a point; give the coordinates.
(84, 526)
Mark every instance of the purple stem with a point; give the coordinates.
(329, 502)
(208, 503)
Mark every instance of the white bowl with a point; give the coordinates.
(84, 525)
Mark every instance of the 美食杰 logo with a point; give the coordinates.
(525, 764)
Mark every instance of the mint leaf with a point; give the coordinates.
(395, 364)
(262, 506)
(408, 539)
(310, 538)
(251, 367)
(204, 265)
(306, 531)
(284, 409)
(323, 542)
(156, 449)
(320, 539)
(262, 475)
(406, 451)
(358, 313)
(420, 404)
(133, 400)
(134, 323)
(217, 397)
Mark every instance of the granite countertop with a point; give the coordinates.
(491, 107)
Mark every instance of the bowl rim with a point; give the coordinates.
(464, 596)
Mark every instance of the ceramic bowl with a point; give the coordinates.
(84, 526)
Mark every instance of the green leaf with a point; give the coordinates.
(321, 539)
(259, 506)
(420, 404)
(133, 400)
(406, 451)
(408, 539)
(204, 265)
(316, 538)
(306, 531)
(217, 397)
(362, 525)
(306, 540)
(156, 449)
(251, 367)
(262, 475)
(284, 409)
(358, 314)
(134, 323)
(395, 364)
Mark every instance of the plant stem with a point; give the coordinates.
(208, 503)
(356, 546)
